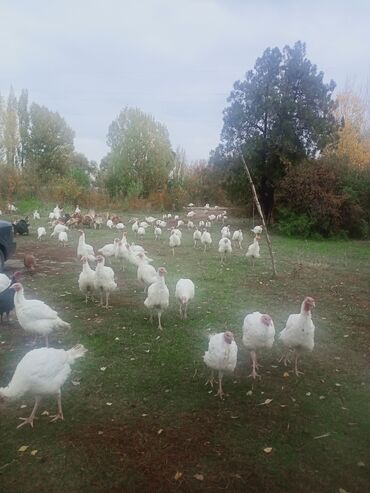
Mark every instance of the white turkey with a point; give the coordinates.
(201, 224)
(190, 214)
(109, 224)
(146, 273)
(224, 248)
(41, 231)
(62, 238)
(5, 282)
(184, 293)
(196, 237)
(177, 232)
(254, 249)
(77, 210)
(180, 223)
(190, 225)
(109, 250)
(134, 251)
(221, 356)
(157, 232)
(150, 219)
(257, 230)
(206, 239)
(122, 253)
(144, 225)
(299, 332)
(58, 228)
(36, 215)
(135, 227)
(120, 226)
(225, 232)
(35, 316)
(83, 249)
(158, 296)
(141, 231)
(40, 373)
(176, 217)
(258, 333)
(86, 280)
(238, 237)
(212, 217)
(104, 280)
(161, 224)
(208, 224)
(174, 241)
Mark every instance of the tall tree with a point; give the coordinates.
(10, 130)
(141, 157)
(280, 114)
(180, 163)
(353, 146)
(24, 126)
(50, 144)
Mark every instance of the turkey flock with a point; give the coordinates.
(43, 371)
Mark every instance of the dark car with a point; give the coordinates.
(7, 243)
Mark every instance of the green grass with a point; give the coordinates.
(155, 380)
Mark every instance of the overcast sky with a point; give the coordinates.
(175, 59)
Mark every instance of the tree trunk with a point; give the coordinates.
(259, 209)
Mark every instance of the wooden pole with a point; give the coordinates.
(259, 209)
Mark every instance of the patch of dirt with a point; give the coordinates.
(167, 458)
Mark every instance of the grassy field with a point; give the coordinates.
(147, 423)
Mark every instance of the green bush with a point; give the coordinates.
(294, 224)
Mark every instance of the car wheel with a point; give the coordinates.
(2, 260)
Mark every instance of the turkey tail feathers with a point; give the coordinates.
(76, 352)
(62, 324)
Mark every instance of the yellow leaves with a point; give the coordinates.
(285, 374)
(178, 475)
(23, 448)
(267, 450)
(265, 403)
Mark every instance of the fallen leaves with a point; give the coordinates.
(199, 477)
(109, 403)
(285, 374)
(267, 450)
(34, 452)
(23, 448)
(178, 475)
(265, 402)
(322, 436)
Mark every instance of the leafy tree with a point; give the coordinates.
(279, 115)
(80, 169)
(50, 144)
(141, 157)
(354, 140)
(10, 130)
(24, 126)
